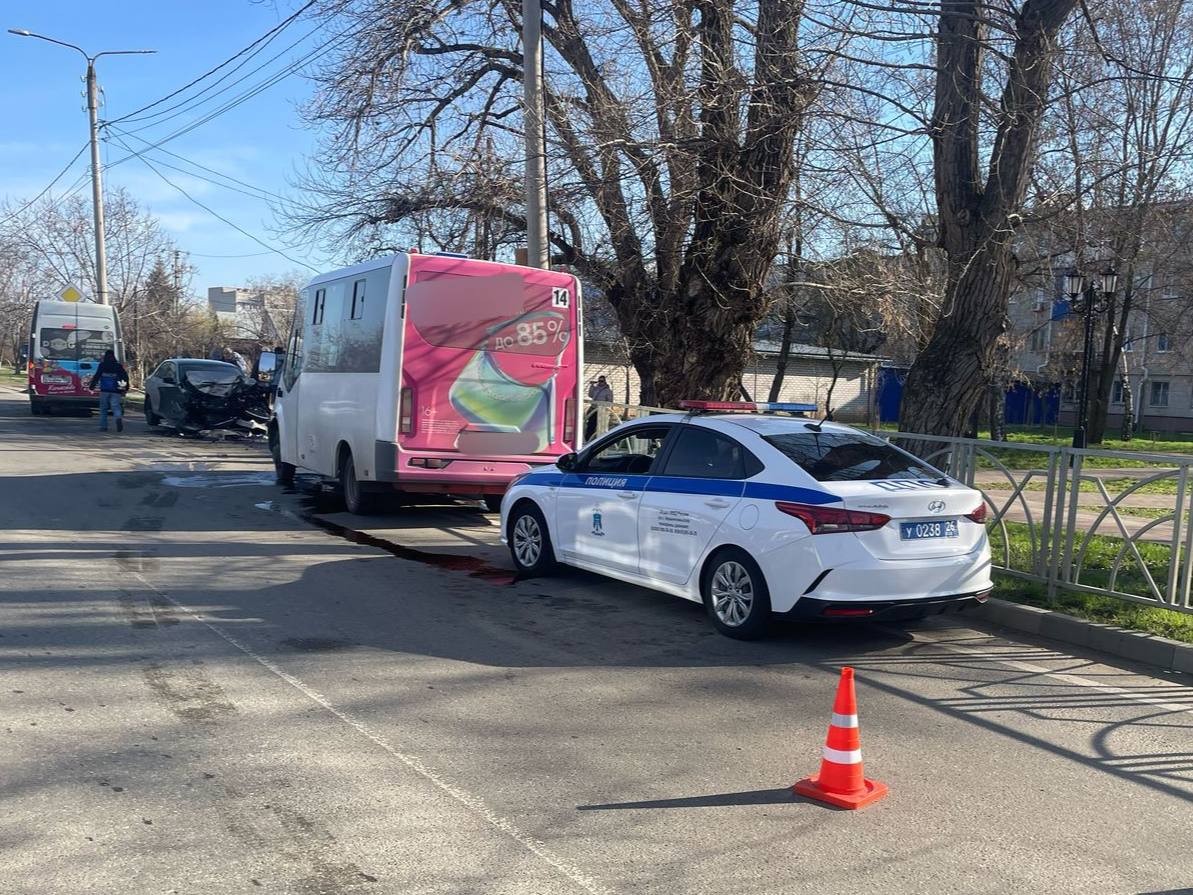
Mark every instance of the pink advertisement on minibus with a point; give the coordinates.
(490, 360)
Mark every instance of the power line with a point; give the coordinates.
(194, 102)
(267, 37)
(242, 98)
(249, 255)
(49, 186)
(259, 193)
(217, 215)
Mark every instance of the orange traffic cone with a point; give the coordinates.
(840, 781)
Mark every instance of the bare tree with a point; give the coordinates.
(983, 153)
(672, 126)
(48, 246)
(1122, 140)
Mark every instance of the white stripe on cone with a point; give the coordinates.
(843, 756)
(844, 720)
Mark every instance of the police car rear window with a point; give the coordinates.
(848, 457)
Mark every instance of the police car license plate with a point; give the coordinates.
(918, 531)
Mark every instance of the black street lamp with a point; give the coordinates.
(1088, 298)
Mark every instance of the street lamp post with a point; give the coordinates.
(97, 191)
(1088, 298)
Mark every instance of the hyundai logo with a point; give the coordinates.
(937, 506)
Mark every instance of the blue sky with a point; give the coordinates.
(262, 141)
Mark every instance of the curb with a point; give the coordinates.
(1148, 649)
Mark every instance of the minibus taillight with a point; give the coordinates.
(406, 412)
(823, 520)
(569, 421)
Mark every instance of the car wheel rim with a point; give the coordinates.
(732, 593)
(528, 541)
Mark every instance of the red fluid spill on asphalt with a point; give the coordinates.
(474, 566)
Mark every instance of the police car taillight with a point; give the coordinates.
(978, 515)
(827, 520)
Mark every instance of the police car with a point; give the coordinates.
(754, 514)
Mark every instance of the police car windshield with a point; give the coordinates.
(834, 456)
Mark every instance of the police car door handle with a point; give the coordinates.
(716, 503)
(627, 495)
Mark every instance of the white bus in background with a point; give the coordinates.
(429, 373)
(67, 340)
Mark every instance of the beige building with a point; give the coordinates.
(251, 315)
(808, 379)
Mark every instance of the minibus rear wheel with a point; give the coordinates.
(357, 500)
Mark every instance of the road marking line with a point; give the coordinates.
(1063, 676)
(472, 802)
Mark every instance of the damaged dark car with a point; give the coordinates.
(194, 396)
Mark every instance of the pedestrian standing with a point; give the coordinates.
(112, 379)
(601, 390)
(597, 391)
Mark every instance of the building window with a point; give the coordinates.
(1159, 394)
(1116, 392)
(1129, 339)
(1039, 338)
(1069, 393)
(1162, 343)
(317, 313)
(358, 300)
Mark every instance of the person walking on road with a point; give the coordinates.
(112, 379)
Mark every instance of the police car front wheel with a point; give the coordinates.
(735, 595)
(530, 542)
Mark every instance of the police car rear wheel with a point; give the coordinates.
(530, 542)
(151, 418)
(735, 595)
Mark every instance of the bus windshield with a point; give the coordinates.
(74, 343)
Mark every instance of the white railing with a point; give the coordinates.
(1114, 523)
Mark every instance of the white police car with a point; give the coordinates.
(755, 514)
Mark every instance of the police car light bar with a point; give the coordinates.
(749, 406)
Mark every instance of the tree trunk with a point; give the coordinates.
(828, 396)
(686, 370)
(1128, 424)
(949, 377)
(979, 192)
(776, 386)
(998, 412)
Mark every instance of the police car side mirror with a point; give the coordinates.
(567, 462)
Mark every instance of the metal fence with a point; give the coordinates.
(1113, 523)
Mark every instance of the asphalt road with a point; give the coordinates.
(204, 691)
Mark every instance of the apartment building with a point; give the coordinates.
(1155, 372)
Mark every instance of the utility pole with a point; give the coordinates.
(537, 250)
(97, 190)
(97, 187)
